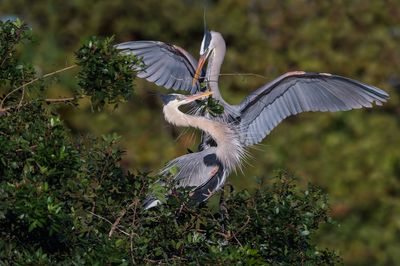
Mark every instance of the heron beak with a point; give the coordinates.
(200, 65)
(194, 97)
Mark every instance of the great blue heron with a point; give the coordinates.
(206, 170)
(291, 93)
(244, 124)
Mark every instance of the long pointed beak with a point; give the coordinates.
(200, 65)
(198, 96)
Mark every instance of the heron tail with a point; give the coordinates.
(150, 202)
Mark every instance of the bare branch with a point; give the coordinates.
(49, 100)
(108, 221)
(115, 224)
(23, 92)
(33, 81)
(135, 203)
(244, 74)
(60, 100)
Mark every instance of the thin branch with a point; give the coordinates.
(222, 74)
(115, 224)
(136, 202)
(244, 74)
(32, 147)
(228, 236)
(49, 100)
(98, 216)
(5, 58)
(60, 100)
(237, 240)
(244, 225)
(22, 98)
(151, 261)
(23, 92)
(131, 249)
(33, 81)
(108, 221)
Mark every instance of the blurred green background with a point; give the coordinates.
(354, 156)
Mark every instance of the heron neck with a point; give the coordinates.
(229, 150)
(213, 70)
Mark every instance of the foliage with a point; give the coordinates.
(106, 75)
(211, 106)
(68, 200)
(64, 202)
(13, 72)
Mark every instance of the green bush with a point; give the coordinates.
(66, 200)
(105, 75)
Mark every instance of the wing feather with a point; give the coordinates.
(297, 92)
(166, 65)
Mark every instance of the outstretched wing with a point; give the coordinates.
(166, 65)
(297, 92)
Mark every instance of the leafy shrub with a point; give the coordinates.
(105, 75)
(13, 72)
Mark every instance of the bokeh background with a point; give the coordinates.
(354, 156)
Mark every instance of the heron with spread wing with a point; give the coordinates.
(247, 123)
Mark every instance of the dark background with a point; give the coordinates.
(354, 156)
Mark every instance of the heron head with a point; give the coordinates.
(211, 40)
(168, 98)
(180, 99)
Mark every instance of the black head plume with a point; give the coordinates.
(166, 98)
(206, 42)
(207, 34)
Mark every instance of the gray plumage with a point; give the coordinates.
(247, 123)
(190, 170)
(298, 92)
(166, 65)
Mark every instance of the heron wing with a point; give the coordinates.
(215, 182)
(297, 92)
(166, 65)
(193, 169)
